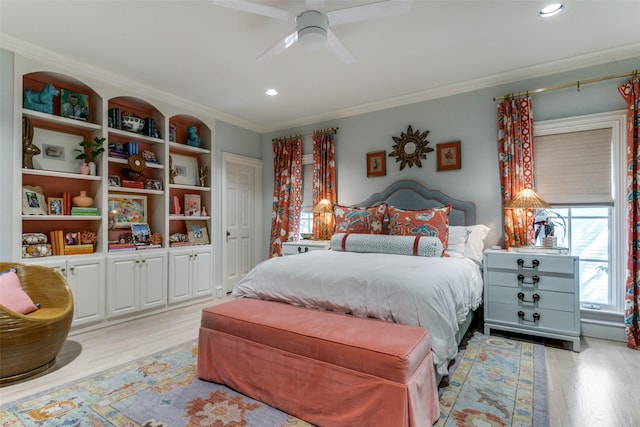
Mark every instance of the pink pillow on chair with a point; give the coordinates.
(12, 296)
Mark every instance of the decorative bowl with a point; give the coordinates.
(132, 123)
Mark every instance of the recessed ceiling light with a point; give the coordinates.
(271, 92)
(551, 10)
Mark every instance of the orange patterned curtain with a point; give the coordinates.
(515, 149)
(630, 91)
(324, 178)
(287, 192)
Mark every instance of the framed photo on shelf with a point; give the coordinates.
(448, 156)
(74, 105)
(172, 132)
(141, 233)
(153, 184)
(186, 169)
(376, 163)
(114, 181)
(198, 233)
(54, 205)
(33, 202)
(192, 205)
(72, 238)
(127, 209)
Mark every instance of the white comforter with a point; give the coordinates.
(435, 293)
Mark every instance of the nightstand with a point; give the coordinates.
(294, 248)
(531, 293)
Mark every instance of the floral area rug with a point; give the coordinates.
(494, 382)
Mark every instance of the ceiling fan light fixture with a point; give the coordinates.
(312, 29)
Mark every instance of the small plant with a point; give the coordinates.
(90, 149)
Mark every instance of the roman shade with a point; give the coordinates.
(574, 168)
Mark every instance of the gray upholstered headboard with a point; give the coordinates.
(408, 194)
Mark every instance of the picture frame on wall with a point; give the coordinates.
(186, 169)
(376, 163)
(33, 201)
(448, 154)
(55, 206)
(197, 232)
(127, 209)
(192, 205)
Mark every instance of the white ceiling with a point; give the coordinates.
(207, 54)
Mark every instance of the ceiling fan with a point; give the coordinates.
(312, 29)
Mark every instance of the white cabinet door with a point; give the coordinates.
(122, 278)
(86, 278)
(153, 281)
(180, 276)
(202, 281)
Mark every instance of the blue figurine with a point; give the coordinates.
(40, 101)
(192, 137)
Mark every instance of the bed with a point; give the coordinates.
(435, 292)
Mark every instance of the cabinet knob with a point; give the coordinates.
(534, 264)
(536, 317)
(534, 280)
(535, 298)
(299, 250)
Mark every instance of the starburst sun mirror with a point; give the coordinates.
(410, 148)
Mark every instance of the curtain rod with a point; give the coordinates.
(566, 85)
(334, 130)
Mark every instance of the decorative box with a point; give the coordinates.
(33, 238)
(36, 251)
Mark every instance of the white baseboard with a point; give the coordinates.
(613, 331)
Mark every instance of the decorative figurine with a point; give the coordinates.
(28, 148)
(192, 137)
(172, 172)
(40, 101)
(204, 172)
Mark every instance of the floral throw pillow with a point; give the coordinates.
(426, 222)
(367, 220)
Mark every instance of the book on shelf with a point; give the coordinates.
(132, 184)
(77, 210)
(149, 127)
(66, 203)
(78, 249)
(121, 247)
(150, 246)
(114, 118)
(178, 244)
(131, 147)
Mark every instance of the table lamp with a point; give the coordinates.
(324, 207)
(527, 199)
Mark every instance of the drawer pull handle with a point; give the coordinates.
(536, 317)
(534, 280)
(306, 249)
(534, 264)
(535, 297)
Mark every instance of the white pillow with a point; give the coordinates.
(475, 245)
(458, 238)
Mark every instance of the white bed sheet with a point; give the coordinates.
(433, 292)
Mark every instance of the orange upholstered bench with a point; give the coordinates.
(326, 368)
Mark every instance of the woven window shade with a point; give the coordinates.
(574, 168)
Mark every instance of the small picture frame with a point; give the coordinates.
(172, 132)
(55, 205)
(192, 205)
(33, 202)
(141, 233)
(74, 105)
(114, 181)
(153, 184)
(448, 155)
(186, 169)
(71, 238)
(197, 232)
(376, 163)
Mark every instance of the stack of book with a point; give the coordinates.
(113, 247)
(131, 147)
(77, 210)
(115, 120)
(56, 238)
(85, 248)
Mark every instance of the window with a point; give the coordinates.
(306, 215)
(579, 170)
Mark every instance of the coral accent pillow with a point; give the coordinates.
(426, 222)
(367, 220)
(12, 296)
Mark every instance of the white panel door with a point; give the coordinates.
(153, 280)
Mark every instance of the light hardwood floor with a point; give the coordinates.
(600, 386)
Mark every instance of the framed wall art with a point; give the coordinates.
(376, 163)
(33, 202)
(448, 156)
(198, 233)
(127, 209)
(186, 169)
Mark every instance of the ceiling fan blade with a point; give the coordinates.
(314, 5)
(339, 48)
(257, 8)
(368, 11)
(280, 46)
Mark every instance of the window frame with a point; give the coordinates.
(616, 120)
